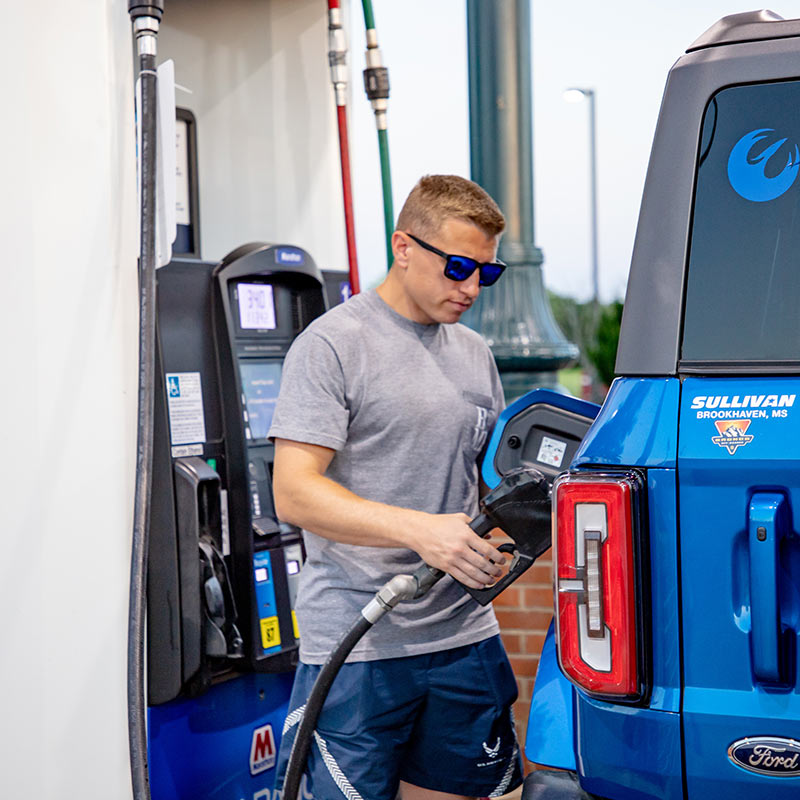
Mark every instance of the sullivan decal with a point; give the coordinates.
(747, 406)
(767, 755)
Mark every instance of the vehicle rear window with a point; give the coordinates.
(743, 287)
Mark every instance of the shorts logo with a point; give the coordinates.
(262, 750)
(732, 434)
(492, 751)
(762, 166)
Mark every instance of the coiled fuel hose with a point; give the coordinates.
(376, 86)
(145, 17)
(337, 58)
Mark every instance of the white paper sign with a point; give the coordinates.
(185, 402)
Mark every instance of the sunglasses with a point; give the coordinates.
(459, 268)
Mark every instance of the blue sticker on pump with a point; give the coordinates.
(293, 256)
(265, 600)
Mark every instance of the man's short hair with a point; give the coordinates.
(437, 198)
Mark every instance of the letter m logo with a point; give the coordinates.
(262, 750)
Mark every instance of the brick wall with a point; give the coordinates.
(524, 611)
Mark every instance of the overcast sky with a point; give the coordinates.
(621, 48)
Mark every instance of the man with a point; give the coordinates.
(384, 408)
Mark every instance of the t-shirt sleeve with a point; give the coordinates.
(312, 406)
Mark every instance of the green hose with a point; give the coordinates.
(386, 182)
(369, 16)
(376, 85)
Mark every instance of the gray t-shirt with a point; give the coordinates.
(407, 408)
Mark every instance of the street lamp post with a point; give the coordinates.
(514, 318)
(577, 95)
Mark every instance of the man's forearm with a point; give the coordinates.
(318, 504)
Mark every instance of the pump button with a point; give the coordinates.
(264, 526)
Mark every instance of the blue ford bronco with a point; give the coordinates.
(671, 671)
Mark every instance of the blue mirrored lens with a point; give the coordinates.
(490, 273)
(459, 268)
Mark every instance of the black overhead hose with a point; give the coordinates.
(145, 18)
(322, 685)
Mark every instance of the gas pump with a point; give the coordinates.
(222, 569)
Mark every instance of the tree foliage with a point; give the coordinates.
(594, 329)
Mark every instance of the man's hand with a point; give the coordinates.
(446, 541)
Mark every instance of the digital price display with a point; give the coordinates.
(256, 306)
(261, 381)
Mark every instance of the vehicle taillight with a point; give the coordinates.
(596, 582)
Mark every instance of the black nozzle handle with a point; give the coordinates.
(520, 506)
(426, 575)
(482, 524)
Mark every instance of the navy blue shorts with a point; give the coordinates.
(441, 721)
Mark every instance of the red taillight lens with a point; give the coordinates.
(596, 582)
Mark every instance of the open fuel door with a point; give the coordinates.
(542, 429)
(738, 457)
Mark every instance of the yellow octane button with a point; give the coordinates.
(270, 632)
(294, 625)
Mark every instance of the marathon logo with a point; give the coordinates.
(289, 255)
(262, 750)
(748, 406)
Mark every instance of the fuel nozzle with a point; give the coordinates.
(520, 505)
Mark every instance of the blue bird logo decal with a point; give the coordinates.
(748, 165)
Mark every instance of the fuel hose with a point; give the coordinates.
(376, 86)
(145, 17)
(337, 59)
(400, 587)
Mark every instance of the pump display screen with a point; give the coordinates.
(256, 306)
(261, 381)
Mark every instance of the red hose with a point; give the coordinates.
(337, 57)
(347, 192)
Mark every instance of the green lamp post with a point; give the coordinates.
(514, 316)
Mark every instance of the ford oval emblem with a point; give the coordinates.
(767, 755)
